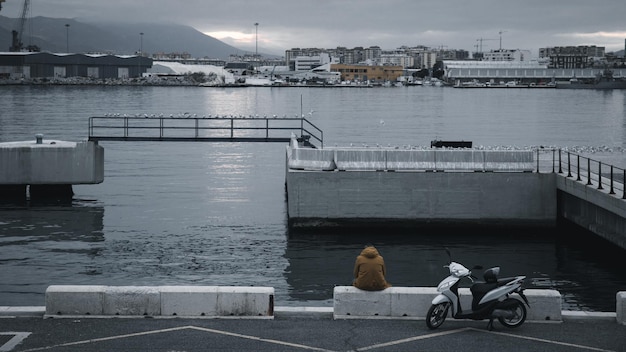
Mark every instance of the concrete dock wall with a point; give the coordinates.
(482, 198)
(597, 211)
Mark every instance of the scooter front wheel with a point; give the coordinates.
(437, 314)
(516, 313)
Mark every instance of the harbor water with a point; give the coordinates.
(208, 213)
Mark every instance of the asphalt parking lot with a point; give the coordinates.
(302, 333)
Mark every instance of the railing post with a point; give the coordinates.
(197, 128)
(611, 191)
(538, 161)
(569, 165)
(588, 171)
(161, 128)
(599, 175)
(560, 163)
(267, 128)
(553, 151)
(232, 127)
(624, 185)
(578, 168)
(125, 127)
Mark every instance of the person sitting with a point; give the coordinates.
(369, 270)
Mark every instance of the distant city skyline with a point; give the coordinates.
(275, 26)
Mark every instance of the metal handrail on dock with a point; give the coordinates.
(595, 173)
(202, 129)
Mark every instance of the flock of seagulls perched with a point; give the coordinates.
(209, 116)
(574, 149)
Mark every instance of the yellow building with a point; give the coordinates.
(363, 73)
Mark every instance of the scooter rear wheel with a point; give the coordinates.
(517, 316)
(437, 314)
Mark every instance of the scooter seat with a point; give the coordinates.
(505, 280)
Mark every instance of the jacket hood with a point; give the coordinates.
(369, 252)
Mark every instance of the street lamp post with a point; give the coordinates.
(67, 38)
(140, 54)
(256, 50)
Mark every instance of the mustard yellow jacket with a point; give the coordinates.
(369, 270)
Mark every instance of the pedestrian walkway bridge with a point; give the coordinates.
(191, 128)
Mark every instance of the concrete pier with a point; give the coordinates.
(365, 186)
(48, 168)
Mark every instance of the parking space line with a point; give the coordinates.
(545, 341)
(16, 339)
(410, 339)
(108, 338)
(278, 342)
(178, 329)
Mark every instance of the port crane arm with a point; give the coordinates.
(16, 44)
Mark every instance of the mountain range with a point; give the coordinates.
(54, 35)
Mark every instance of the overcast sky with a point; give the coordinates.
(286, 24)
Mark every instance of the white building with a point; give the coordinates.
(507, 55)
(306, 63)
(397, 60)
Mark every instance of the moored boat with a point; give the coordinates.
(604, 80)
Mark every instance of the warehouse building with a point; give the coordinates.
(29, 65)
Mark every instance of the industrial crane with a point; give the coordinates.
(480, 40)
(16, 43)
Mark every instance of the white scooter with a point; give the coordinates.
(490, 299)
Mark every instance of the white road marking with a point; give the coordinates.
(177, 329)
(545, 341)
(10, 345)
(410, 339)
(260, 339)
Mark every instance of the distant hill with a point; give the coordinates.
(51, 34)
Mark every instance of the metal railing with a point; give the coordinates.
(594, 173)
(206, 129)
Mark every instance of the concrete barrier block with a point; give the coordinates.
(360, 159)
(311, 159)
(132, 300)
(414, 302)
(545, 305)
(459, 160)
(245, 301)
(509, 160)
(411, 301)
(410, 160)
(74, 300)
(350, 301)
(620, 307)
(189, 300)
